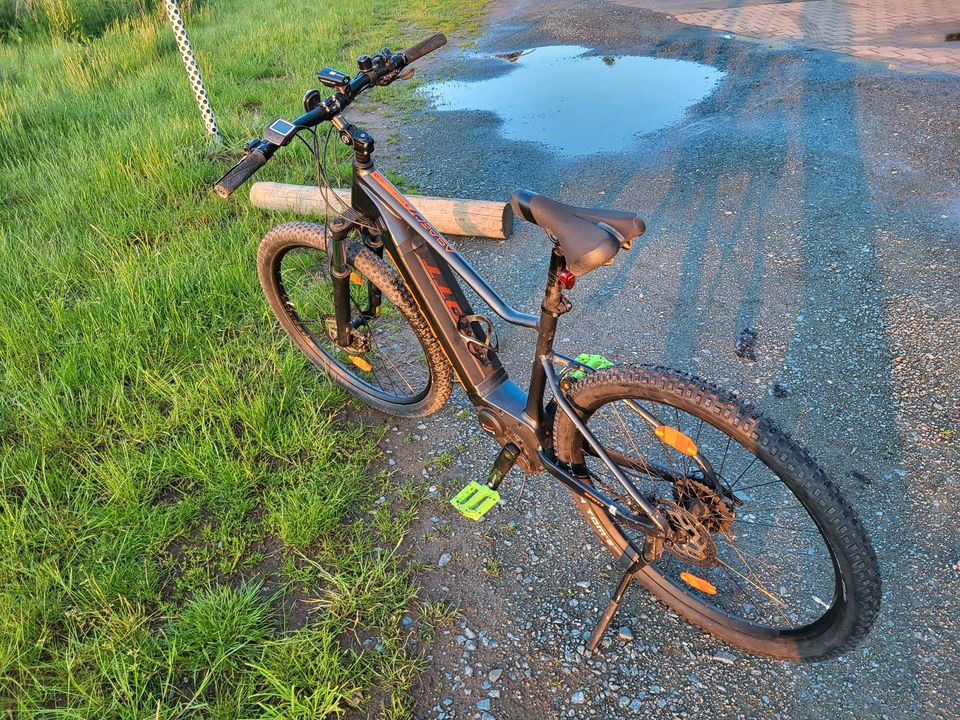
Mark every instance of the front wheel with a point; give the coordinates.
(392, 362)
(774, 561)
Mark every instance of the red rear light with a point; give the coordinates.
(567, 279)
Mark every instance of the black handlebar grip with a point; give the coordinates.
(427, 46)
(240, 173)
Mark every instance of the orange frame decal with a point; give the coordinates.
(418, 216)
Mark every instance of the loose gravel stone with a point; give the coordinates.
(724, 657)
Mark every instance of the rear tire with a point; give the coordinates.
(786, 469)
(424, 383)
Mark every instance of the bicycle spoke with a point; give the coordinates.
(753, 487)
(760, 584)
(402, 376)
(775, 599)
(785, 508)
(640, 456)
(740, 476)
(724, 460)
(736, 582)
(780, 527)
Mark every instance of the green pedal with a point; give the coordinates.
(475, 500)
(596, 362)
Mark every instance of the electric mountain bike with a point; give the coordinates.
(700, 499)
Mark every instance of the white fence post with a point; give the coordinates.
(193, 70)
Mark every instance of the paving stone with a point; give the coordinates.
(862, 28)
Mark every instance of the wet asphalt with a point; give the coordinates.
(812, 200)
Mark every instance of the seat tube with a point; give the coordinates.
(550, 311)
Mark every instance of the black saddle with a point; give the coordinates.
(588, 237)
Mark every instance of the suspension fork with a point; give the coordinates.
(374, 297)
(340, 277)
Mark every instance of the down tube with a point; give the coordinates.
(436, 291)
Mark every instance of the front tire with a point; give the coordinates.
(753, 577)
(396, 364)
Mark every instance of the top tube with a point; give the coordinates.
(376, 184)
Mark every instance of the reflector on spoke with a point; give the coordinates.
(676, 439)
(699, 583)
(361, 363)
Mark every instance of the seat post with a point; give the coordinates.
(554, 305)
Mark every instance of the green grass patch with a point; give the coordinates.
(183, 515)
(67, 19)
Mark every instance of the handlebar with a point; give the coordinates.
(241, 172)
(381, 69)
(422, 48)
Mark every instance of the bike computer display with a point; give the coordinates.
(280, 131)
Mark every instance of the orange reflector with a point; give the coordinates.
(361, 363)
(699, 583)
(676, 439)
(356, 279)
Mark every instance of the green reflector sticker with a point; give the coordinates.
(596, 362)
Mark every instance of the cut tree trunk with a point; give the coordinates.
(451, 216)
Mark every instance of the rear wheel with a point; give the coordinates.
(392, 362)
(776, 562)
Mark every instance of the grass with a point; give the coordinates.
(183, 527)
(68, 19)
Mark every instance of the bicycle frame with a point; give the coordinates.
(430, 266)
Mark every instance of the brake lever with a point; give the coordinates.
(405, 74)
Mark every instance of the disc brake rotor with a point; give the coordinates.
(704, 504)
(359, 341)
(693, 544)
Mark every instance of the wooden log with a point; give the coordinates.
(451, 216)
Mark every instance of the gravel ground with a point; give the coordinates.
(812, 199)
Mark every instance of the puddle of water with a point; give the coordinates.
(581, 104)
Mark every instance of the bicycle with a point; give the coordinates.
(693, 491)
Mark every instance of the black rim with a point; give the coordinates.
(398, 373)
